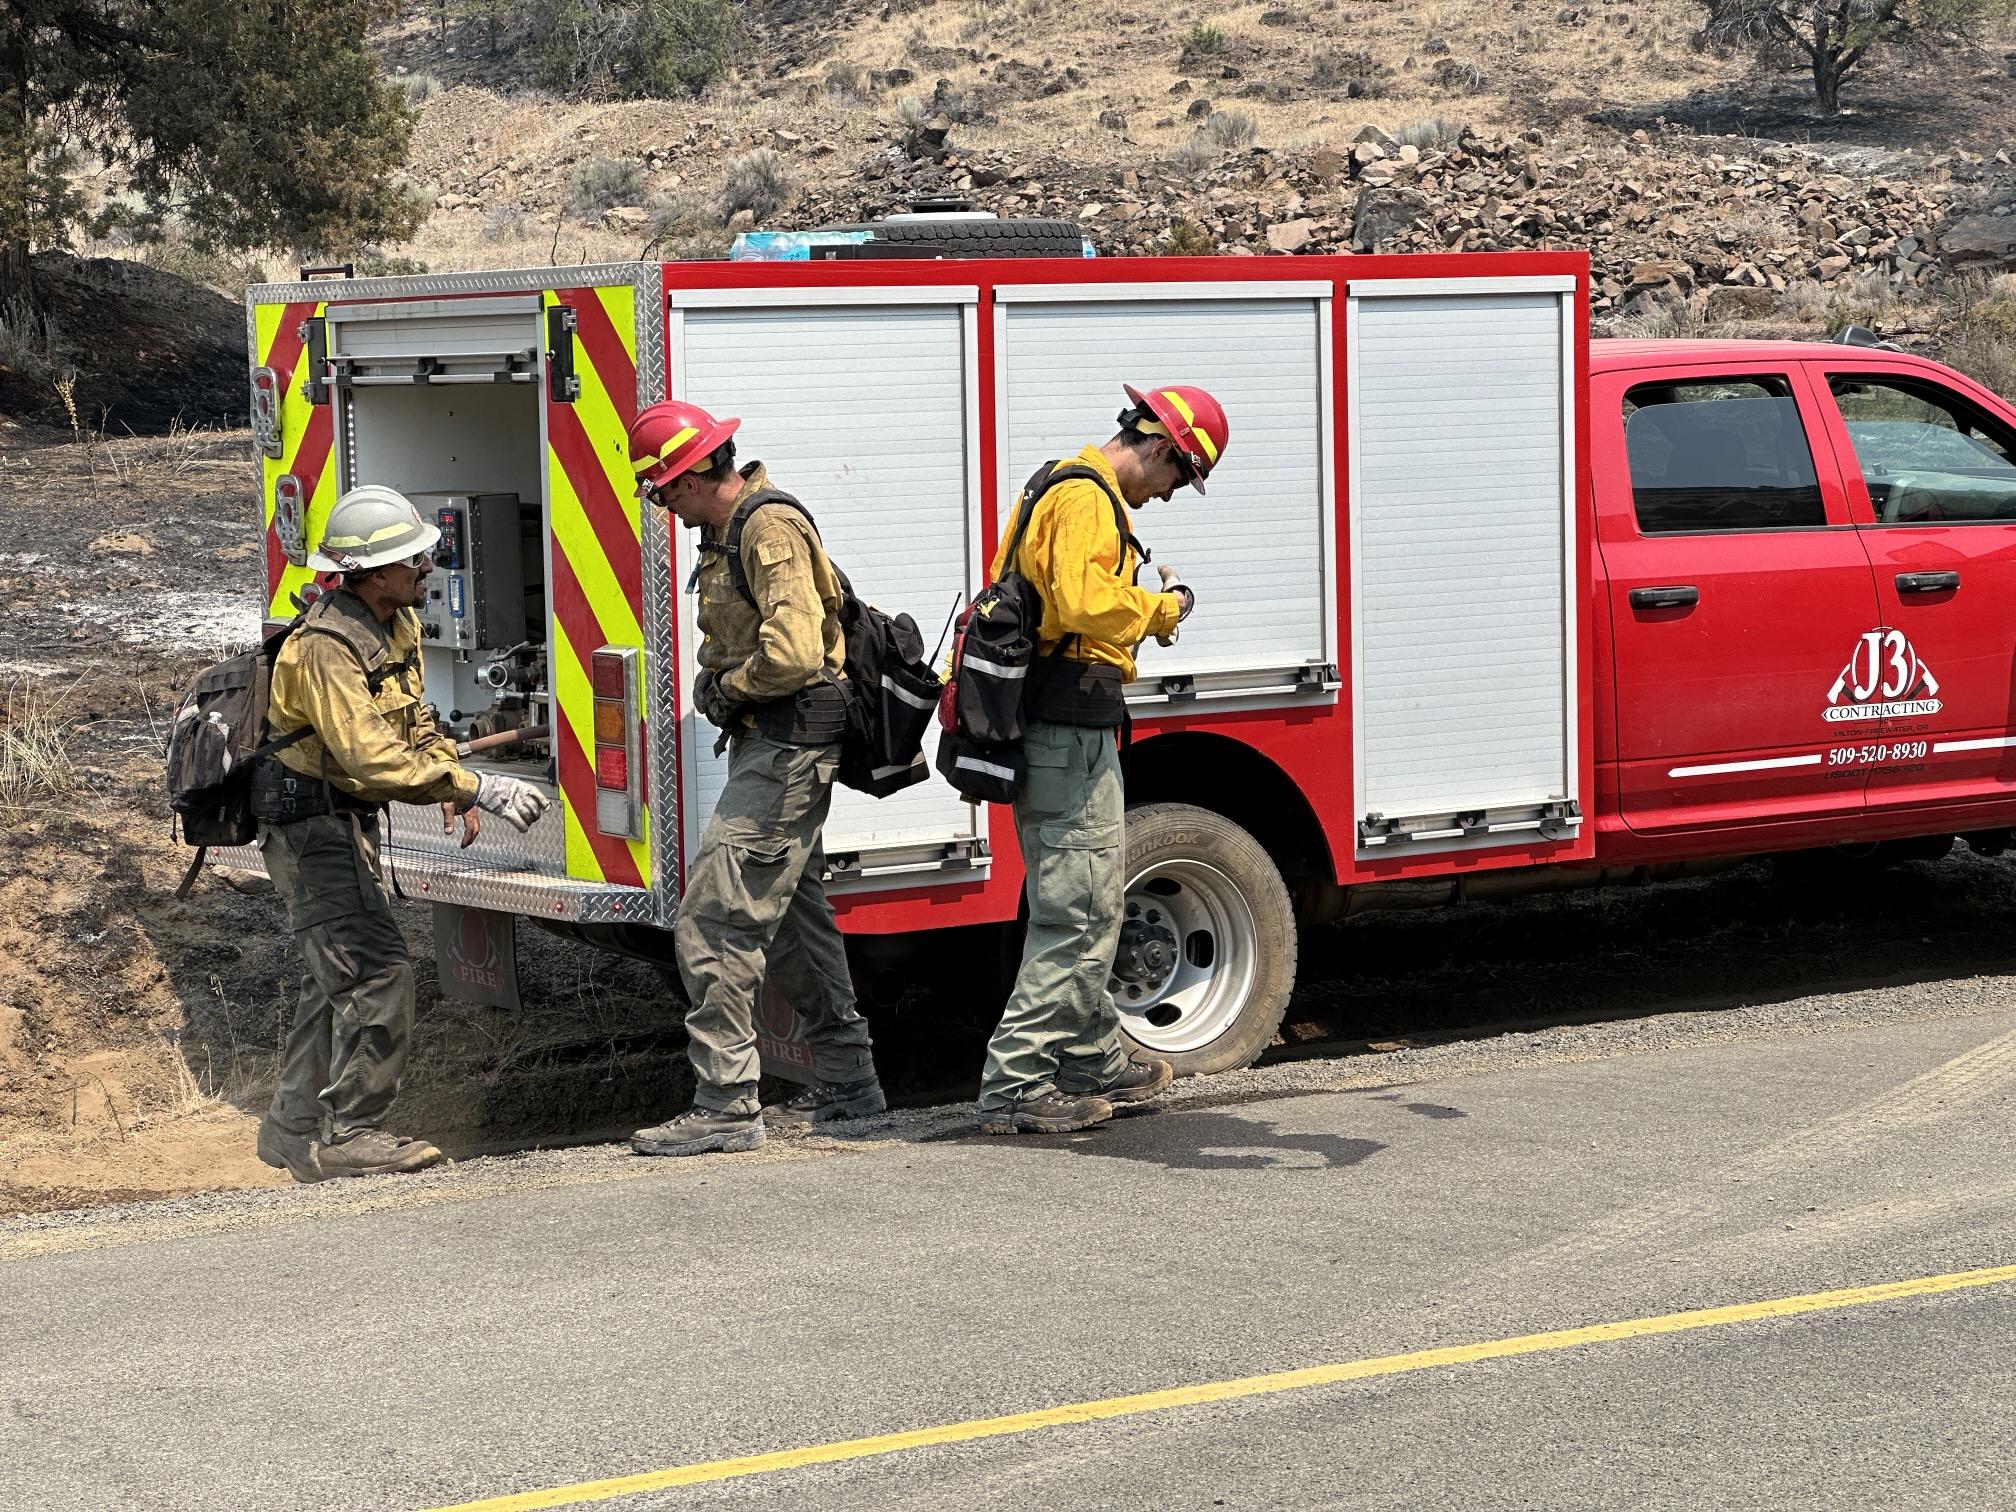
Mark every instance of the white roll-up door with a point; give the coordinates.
(1463, 580)
(1259, 550)
(864, 412)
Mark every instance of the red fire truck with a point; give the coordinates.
(1483, 606)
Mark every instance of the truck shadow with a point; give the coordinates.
(1764, 932)
(1179, 1139)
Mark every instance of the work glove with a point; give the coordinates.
(1172, 582)
(715, 705)
(512, 799)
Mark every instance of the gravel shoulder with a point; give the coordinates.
(1367, 1070)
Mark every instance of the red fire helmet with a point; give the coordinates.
(673, 437)
(1192, 419)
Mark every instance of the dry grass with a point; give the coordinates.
(757, 182)
(155, 466)
(1982, 339)
(31, 343)
(1666, 315)
(35, 763)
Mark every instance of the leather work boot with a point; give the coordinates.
(1146, 1076)
(700, 1130)
(285, 1150)
(374, 1152)
(823, 1102)
(1052, 1113)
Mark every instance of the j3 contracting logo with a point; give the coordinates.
(1884, 679)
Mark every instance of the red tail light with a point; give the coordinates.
(619, 742)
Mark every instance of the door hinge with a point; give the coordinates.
(315, 341)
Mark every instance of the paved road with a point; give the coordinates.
(561, 1319)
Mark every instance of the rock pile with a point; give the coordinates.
(1655, 212)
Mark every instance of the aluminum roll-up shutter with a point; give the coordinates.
(1463, 579)
(1259, 551)
(864, 412)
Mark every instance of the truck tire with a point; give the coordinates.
(982, 238)
(1206, 961)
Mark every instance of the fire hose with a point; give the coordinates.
(503, 738)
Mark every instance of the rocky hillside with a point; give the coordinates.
(1706, 191)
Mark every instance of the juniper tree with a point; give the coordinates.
(250, 122)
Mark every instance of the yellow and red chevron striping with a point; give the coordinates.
(596, 592)
(306, 439)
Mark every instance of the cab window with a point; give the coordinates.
(1720, 454)
(1926, 454)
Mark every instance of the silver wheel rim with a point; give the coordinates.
(1194, 912)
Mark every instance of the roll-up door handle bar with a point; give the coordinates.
(1680, 596)
(1927, 582)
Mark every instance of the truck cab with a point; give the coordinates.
(1805, 558)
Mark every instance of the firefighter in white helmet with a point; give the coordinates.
(351, 671)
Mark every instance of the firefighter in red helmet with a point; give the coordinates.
(755, 907)
(1056, 1061)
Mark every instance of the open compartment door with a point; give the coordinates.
(861, 403)
(1260, 552)
(497, 403)
(1466, 681)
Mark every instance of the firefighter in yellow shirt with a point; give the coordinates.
(351, 672)
(1056, 1061)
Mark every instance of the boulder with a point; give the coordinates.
(1383, 213)
(1661, 273)
(1980, 239)
(1290, 236)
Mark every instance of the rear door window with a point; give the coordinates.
(1927, 455)
(1720, 454)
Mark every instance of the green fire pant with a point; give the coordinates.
(755, 905)
(1060, 1031)
(347, 1046)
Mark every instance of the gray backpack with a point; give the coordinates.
(218, 733)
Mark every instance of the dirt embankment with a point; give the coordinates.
(119, 348)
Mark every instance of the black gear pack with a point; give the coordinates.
(881, 714)
(990, 697)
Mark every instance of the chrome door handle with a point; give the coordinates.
(1680, 596)
(1927, 582)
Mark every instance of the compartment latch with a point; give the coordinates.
(561, 324)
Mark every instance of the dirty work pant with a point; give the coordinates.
(351, 1027)
(1060, 1031)
(755, 903)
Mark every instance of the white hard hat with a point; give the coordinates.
(370, 526)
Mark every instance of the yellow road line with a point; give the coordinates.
(1224, 1391)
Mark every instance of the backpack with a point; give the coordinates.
(217, 734)
(994, 655)
(891, 691)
